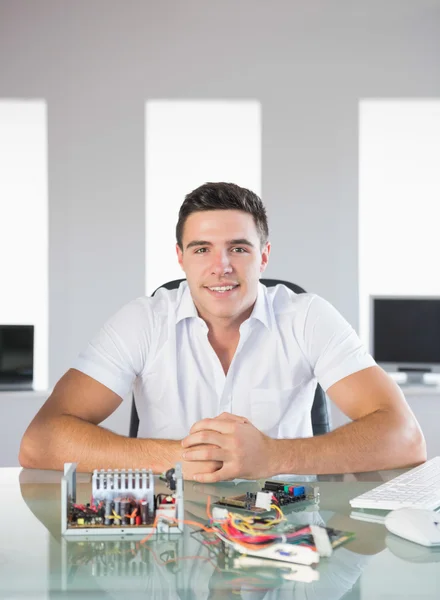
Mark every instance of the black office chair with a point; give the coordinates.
(321, 422)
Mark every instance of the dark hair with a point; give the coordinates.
(223, 196)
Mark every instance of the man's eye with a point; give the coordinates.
(239, 250)
(200, 251)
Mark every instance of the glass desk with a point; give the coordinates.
(36, 562)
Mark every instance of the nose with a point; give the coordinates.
(221, 263)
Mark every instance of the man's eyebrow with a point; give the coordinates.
(237, 242)
(240, 241)
(198, 243)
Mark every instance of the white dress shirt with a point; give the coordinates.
(158, 346)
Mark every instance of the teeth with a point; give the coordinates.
(222, 289)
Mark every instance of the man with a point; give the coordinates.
(224, 370)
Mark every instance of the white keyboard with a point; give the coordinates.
(417, 488)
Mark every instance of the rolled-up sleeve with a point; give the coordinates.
(332, 346)
(117, 354)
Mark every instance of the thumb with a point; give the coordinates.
(226, 416)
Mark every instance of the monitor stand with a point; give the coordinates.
(416, 377)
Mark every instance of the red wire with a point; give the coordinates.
(208, 508)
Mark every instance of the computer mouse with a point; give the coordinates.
(415, 524)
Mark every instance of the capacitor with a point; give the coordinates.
(144, 511)
(117, 520)
(123, 513)
(108, 512)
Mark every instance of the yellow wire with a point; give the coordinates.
(114, 515)
(245, 524)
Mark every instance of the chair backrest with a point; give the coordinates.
(321, 422)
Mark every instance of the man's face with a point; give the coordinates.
(222, 259)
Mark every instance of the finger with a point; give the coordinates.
(217, 424)
(204, 437)
(204, 445)
(223, 474)
(225, 416)
(208, 453)
(189, 468)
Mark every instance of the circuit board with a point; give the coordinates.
(272, 493)
(337, 537)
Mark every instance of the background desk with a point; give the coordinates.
(36, 563)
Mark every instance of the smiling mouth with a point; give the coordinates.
(221, 289)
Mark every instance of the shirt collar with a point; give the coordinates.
(186, 307)
(261, 311)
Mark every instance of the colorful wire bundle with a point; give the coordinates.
(252, 532)
(255, 532)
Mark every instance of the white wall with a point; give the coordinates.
(309, 63)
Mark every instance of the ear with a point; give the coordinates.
(179, 256)
(265, 257)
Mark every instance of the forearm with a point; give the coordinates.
(70, 439)
(380, 440)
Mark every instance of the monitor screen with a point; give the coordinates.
(16, 354)
(406, 330)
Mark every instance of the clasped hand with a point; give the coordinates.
(242, 449)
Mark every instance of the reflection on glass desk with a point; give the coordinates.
(36, 562)
(122, 565)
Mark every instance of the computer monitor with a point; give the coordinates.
(16, 357)
(405, 334)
